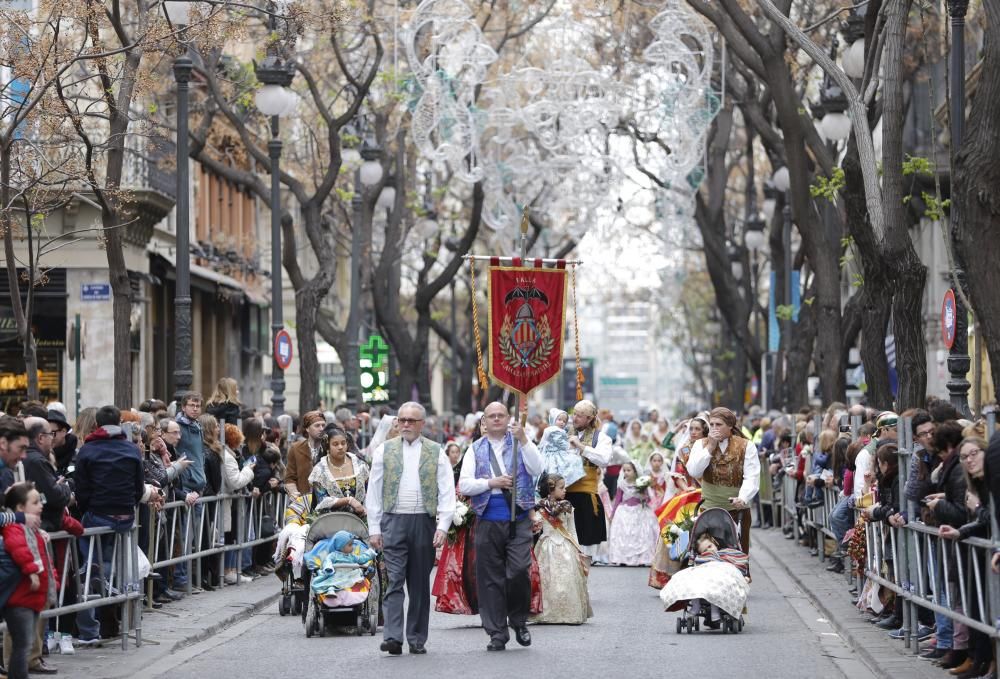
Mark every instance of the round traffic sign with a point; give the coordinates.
(949, 318)
(283, 349)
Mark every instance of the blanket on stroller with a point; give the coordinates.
(717, 582)
(341, 549)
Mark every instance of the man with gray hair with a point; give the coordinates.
(39, 470)
(411, 481)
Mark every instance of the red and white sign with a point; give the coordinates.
(283, 349)
(949, 318)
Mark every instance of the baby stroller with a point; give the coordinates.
(697, 592)
(318, 616)
(293, 593)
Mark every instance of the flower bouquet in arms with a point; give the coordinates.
(455, 579)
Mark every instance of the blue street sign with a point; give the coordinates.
(95, 292)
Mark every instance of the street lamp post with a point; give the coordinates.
(183, 346)
(274, 100)
(739, 360)
(958, 356)
(368, 174)
(786, 239)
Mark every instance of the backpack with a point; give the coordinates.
(10, 575)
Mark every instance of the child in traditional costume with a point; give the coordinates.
(634, 532)
(658, 478)
(562, 565)
(555, 449)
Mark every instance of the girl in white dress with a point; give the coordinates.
(561, 564)
(634, 531)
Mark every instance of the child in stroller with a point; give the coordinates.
(715, 586)
(342, 576)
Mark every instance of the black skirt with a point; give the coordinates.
(591, 528)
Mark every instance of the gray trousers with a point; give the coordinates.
(502, 576)
(408, 550)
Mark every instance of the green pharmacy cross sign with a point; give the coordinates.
(374, 364)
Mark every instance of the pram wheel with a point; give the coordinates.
(697, 625)
(311, 627)
(284, 605)
(680, 625)
(297, 598)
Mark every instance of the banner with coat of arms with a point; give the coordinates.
(527, 315)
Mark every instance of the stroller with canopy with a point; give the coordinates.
(713, 586)
(347, 593)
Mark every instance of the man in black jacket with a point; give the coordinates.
(38, 469)
(109, 486)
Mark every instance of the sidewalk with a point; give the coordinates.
(170, 629)
(828, 591)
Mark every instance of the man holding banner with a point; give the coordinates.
(503, 558)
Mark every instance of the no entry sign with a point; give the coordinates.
(283, 349)
(949, 318)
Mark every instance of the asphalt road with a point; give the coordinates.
(629, 636)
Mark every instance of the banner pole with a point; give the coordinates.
(522, 399)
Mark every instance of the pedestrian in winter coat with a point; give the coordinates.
(224, 404)
(36, 589)
(39, 470)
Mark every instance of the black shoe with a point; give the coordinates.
(417, 649)
(836, 567)
(934, 653)
(890, 623)
(208, 587)
(392, 647)
(522, 635)
(496, 645)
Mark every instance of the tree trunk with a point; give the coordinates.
(908, 274)
(976, 178)
(873, 301)
(307, 301)
(21, 318)
(800, 355)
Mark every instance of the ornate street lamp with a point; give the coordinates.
(275, 100)
(177, 14)
(367, 175)
(853, 59)
(958, 356)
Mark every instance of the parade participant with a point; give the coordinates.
(680, 480)
(729, 470)
(502, 561)
(555, 449)
(410, 481)
(596, 450)
(339, 477)
(658, 480)
(565, 599)
(634, 532)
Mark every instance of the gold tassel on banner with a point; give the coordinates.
(484, 381)
(576, 336)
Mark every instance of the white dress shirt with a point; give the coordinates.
(700, 458)
(469, 485)
(409, 499)
(600, 454)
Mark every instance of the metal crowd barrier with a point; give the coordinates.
(182, 533)
(948, 577)
(167, 547)
(121, 587)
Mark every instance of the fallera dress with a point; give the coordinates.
(634, 532)
(565, 599)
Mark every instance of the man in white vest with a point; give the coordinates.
(411, 482)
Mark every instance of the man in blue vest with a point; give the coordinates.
(411, 481)
(502, 561)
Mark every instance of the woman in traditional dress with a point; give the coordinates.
(565, 599)
(339, 478)
(658, 479)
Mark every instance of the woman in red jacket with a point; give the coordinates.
(36, 591)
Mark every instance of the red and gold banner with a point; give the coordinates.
(527, 315)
